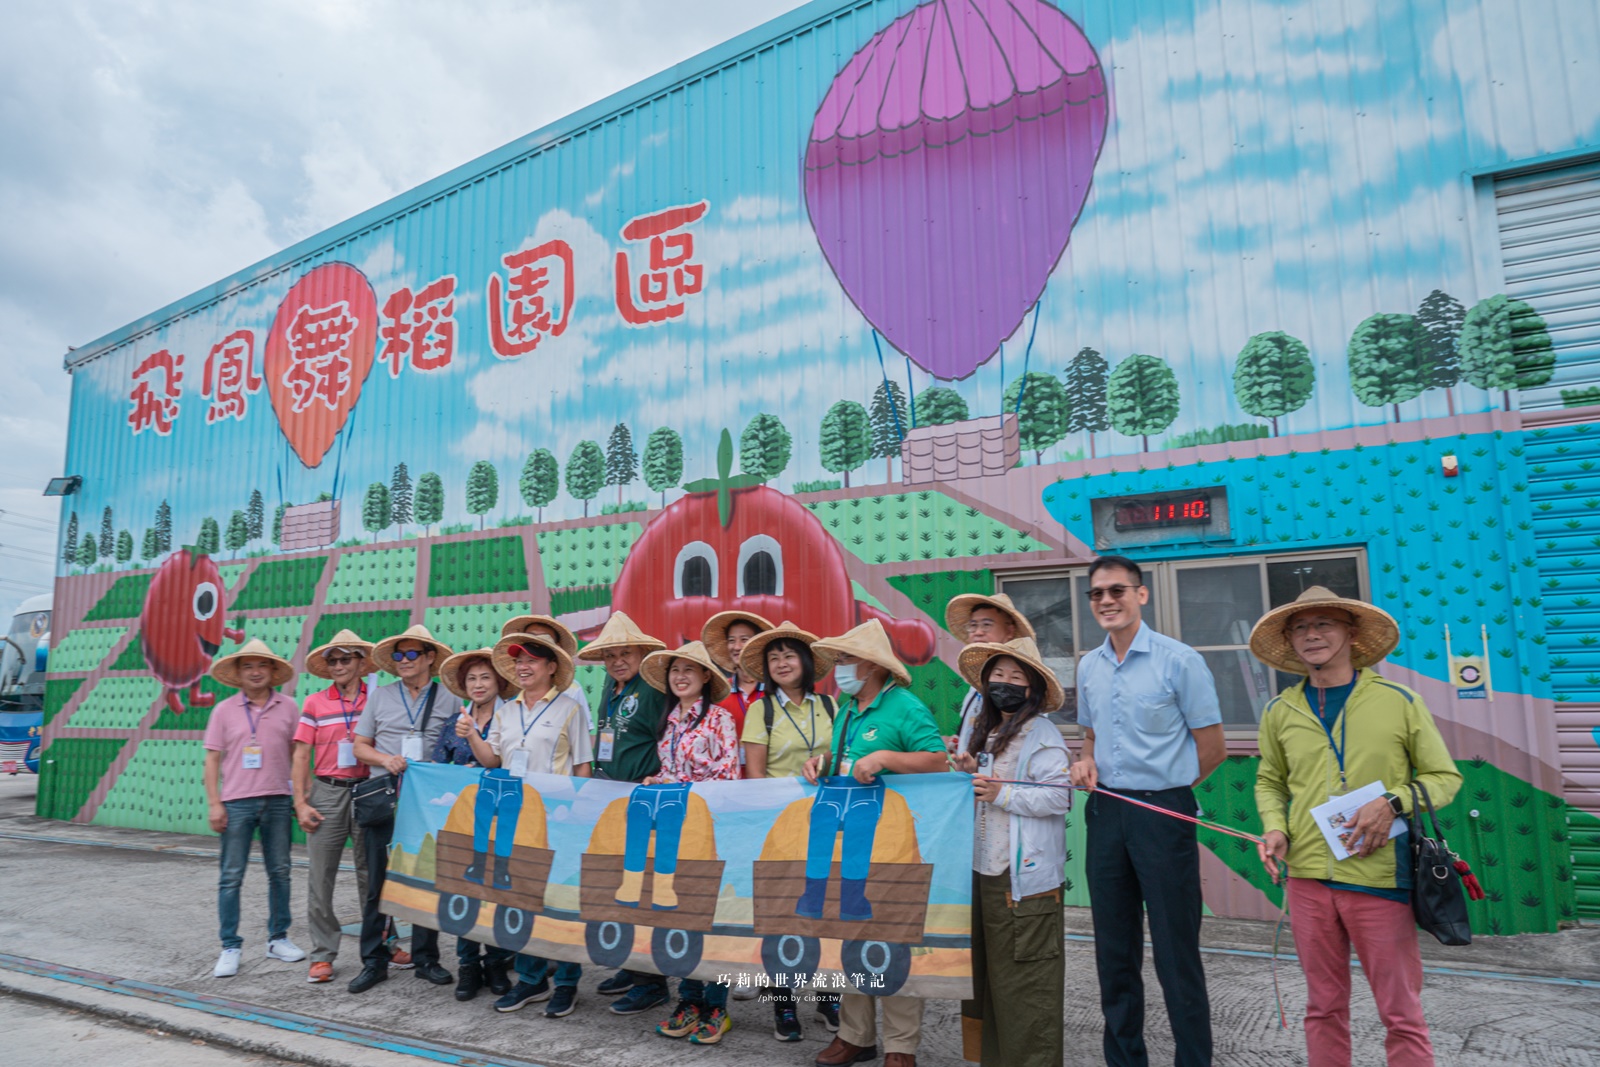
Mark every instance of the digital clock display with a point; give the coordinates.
(1155, 512)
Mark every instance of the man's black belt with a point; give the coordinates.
(331, 780)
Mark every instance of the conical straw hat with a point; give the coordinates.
(753, 661)
(383, 651)
(453, 672)
(1375, 636)
(959, 611)
(226, 669)
(655, 666)
(619, 632)
(714, 635)
(523, 624)
(869, 641)
(317, 658)
(974, 658)
(506, 664)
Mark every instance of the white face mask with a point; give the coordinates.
(844, 676)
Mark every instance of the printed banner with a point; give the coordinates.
(768, 881)
(1468, 675)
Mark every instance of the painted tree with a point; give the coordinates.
(586, 472)
(663, 461)
(1440, 317)
(940, 406)
(1142, 398)
(210, 539)
(108, 535)
(622, 461)
(69, 544)
(277, 523)
(891, 420)
(430, 500)
(400, 497)
(1273, 376)
(846, 438)
(164, 527)
(764, 447)
(483, 489)
(1386, 364)
(88, 553)
(375, 509)
(150, 545)
(1504, 346)
(256, 514)
(1086, 394)
(238, 533)
(1040, 403)
(124, 546)
(540, 480)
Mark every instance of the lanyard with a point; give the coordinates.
(853, 722)
(614, 703)
(677, 732)
(811, 742)
(1339, 747)
(349, 712)
(251, 719)
(522, 716)
(411, 716)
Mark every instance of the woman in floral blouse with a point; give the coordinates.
(698, 744)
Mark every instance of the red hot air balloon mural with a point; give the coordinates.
(963, 138)
(318, 353)
(181, 625)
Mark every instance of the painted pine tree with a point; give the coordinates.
(622, 461)
(69, 544)
(1440, 317)
(1086, 394)
(164, 527)
(256, 514)
(108, 535)
(401, 497)
(891, 419)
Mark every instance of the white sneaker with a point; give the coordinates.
(747, 992)
(227, 963)
(285, 950)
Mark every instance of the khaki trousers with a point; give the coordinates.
(902, 1021)
(325, 849)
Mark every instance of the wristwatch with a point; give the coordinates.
(1394, 803)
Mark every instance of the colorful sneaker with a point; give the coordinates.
(321, 971)
(713, 1024)
(639, 999)
(285, 950)
(685, 1020)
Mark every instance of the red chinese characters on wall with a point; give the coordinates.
(420, 326)
(319, 358)
(157, 384)
(230, 376)
(530, 309)
(654, 293)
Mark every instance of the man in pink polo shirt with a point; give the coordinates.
(248, 748)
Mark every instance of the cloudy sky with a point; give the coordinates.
(153, 148)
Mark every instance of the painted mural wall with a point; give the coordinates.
(862, 314)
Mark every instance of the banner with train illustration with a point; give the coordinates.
(770, 881)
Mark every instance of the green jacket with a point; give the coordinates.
(1389, 736)
(635, 713)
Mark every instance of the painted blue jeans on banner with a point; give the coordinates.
(661, 807)
(843, 804)
(273, 816)
(499, 797)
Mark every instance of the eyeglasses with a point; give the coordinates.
(340, 661)
(1317, 626)
(1115, 592)
(409, 654)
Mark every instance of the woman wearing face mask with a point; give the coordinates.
(1018, 857)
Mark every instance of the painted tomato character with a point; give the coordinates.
(734, 544)
(181, 626)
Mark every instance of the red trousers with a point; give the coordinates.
(1326, 923)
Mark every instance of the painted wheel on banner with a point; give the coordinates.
(512, 927)
(790, 954)
(889, 963)
(677, 952)
(609, 943)
(457, 914)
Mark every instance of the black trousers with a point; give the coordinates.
(1142, 862)
(374, 923)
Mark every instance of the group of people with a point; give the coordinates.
(747, 701)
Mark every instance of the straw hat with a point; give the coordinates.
(1375, 636)
(619, 632)
(523, 624)
(226, 669)
(452, 672)
(714, 634)
(317, 658)
(974, 658)
(959, 611)
(383, 651)
(869, 641)
(655, 666)
(753, 661)
(506, 664)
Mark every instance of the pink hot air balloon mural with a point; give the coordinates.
(947, 165)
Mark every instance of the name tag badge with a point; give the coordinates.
(347, 754)
(741, 755)
(411, 747)
(250, 760)
(608, 742)
(844, 767)
(519, 763)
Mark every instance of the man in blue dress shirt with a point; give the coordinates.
(1152, 731)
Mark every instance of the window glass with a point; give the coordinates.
(1287, 579)
(1218, 605)
(1048, 604)
(1244, 685)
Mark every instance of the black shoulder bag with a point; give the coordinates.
(374, 799)
(1438, 896)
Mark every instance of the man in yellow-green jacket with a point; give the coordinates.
(1341, 729)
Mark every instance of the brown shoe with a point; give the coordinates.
(842, 1052)
(900, 1059)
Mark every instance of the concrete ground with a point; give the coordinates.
(141, 906)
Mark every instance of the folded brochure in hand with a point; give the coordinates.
(1335, 816)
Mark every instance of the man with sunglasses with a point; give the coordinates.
(399, 725)
(1152, 731)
